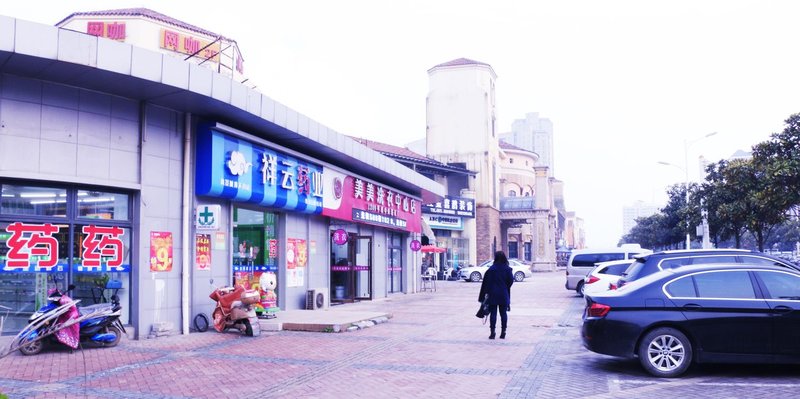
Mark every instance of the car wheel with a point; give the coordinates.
(519, 276)
(665, 352)
(475, 277)
(580, 289)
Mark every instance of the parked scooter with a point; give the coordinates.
(61, 321)
(235, 310)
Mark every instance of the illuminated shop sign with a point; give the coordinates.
(444, 222)
(453, 206)
(353, 199)
(34, 248)
(236, 169)
(185, 44)
(109, 30)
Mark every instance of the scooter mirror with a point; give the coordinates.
(70, 287)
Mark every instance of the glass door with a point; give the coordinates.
(351, 267)
(362, 271)
(394, 266)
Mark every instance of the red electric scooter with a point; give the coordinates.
(235, 310)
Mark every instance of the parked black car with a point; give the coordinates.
(702, 314)
(651, 263)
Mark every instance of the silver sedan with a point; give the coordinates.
(520, 270)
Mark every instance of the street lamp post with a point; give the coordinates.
(685, 168)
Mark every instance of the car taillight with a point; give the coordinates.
(592, 279)
(598, 310)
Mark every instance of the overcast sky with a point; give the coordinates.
(625, 83)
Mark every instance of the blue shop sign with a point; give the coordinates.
(228, 167)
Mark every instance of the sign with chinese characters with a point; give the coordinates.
(101, 244)
(354, 199)
(273, 248)
(296, 257)
(415, 245)
(34, 248)
(340, 237)
(236, 169)
(444, 222)
(206, 217)
(219, 241)
(452, 206)
(160, 251)
(109, 30)
(189, 45)
(203, 251)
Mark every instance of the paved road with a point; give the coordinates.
(433, 347)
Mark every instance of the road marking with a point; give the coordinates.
(712, 384)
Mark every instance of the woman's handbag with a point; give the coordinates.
(483, 311)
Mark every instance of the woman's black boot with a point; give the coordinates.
(491, 336)
(503, 334)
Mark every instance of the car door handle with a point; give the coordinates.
(782, 309)
(692, 306)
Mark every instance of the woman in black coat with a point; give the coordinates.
(497, 284)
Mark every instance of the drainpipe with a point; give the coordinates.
(185, 215)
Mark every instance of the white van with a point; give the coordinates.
(582, 261)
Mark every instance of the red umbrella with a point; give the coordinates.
(432, 248)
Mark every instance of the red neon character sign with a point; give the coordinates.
(31, 240)
(102, 242)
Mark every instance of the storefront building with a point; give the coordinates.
(129, 171)
(448, 220)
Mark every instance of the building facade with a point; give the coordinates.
(638, 209)
(516, 206)
(451, 221)
(534, 134)
(461, 130)
(170, 178)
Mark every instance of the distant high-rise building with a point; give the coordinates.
(534, 134)
(741, 154)
(638, 209)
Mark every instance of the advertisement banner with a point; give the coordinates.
(444, 222)
(160, 251)
(296, 258)
(229, 167)
(203, 251)
(354, 199)
(33, 247)
(452, 206)
(219, 241)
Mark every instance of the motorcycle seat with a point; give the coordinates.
(94, 308)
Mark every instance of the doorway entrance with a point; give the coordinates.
(351, 268)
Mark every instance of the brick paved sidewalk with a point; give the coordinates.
(432, 347)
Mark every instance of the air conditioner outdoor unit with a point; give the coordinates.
(317, 298)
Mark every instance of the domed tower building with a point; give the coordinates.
(461, 131)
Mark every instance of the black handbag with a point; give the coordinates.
(483, 311)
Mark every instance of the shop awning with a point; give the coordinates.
(433, 248)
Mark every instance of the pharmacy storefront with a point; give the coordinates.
(283, 223)
(53, 236)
